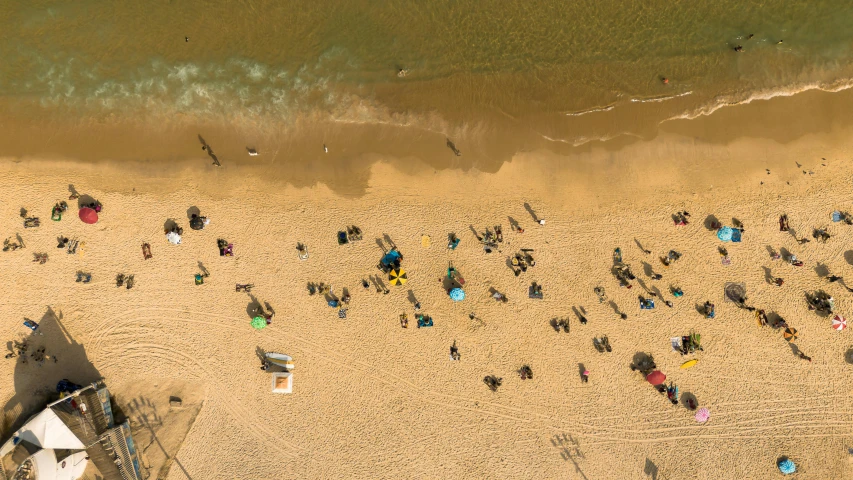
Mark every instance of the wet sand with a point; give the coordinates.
(373, 400)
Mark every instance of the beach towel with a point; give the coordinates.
(676, 344)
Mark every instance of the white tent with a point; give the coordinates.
(46, 430)
(282, 382)
(48, 468)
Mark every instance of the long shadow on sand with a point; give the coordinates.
(35, 382)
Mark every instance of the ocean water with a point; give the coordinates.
(544, 71)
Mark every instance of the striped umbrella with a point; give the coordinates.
(839, 323)
(397, 277)
(790, 334)
(702, 415)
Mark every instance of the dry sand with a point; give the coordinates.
(373, 400)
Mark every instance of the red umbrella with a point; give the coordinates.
(88, 215)
(656, 378)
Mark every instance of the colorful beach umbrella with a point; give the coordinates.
(397, 276)
(786, 466)
(725, 234)
(259, 323)
(790, 334)
(88, 215)
(839, 323)
(702, 415)
(656, 378)
(689, 363)
(457, 295)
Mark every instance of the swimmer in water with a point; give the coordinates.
(738, 48)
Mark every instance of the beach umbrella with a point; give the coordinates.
(259, 323)
(457, 294)
(689, 363)
(725, 234)
(397, 276)
(702, 415)
(197, 223)
(88, 215)
(839, 323)
(656, 378)
(790, 334)
(174, 238)
(786, 466)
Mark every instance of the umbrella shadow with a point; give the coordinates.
(651, 469)
(253, 308)
(35, 382)
(169, 225)
(193, 211)
(785, 254)
(821, 270)
(686, 397)
(848, 257)
(531, 212)
(85, 201)
(643, 362)
(449, 284)
(648, 270)
(848, 356)
(711, 221)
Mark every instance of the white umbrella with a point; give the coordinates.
(839, 323)
(173, 237)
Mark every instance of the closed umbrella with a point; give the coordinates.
(259, 323)
(790, 334)
(839, 323)
(656, 378)
(457, 295)
(702, 415)
(174, 238)
(397, 276)
(88, 215)
(197, 223)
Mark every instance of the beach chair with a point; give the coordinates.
(303, 251)
(146, 251)
(404, 320)
(56, 213)
(453, 242)
(31, 222)
(535, 292)
(31, 325)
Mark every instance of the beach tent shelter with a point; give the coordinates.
(281, 360)
(88, 215)
(47, 467)
(47, 431)
(282, 382)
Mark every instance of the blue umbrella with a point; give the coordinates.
(787, 467)
(457, 295)
(836, 216)
(735, 235)
(725, 234)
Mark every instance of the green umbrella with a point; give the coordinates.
(259, 322)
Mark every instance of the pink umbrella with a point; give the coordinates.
(702, 415)
(656, 378)
(88, 215)
(839, 323)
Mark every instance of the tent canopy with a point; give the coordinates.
(282, 382)
(69, 468)
(46, 430)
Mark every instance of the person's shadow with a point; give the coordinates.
(35, 385)
(531, 212)
(206, 147)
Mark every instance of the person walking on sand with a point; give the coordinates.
(804, 356)
(585, 376)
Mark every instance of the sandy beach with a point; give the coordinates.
(374, 400)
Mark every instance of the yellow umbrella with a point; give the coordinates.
(689, 363)
(397, 277)
(790, 334)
